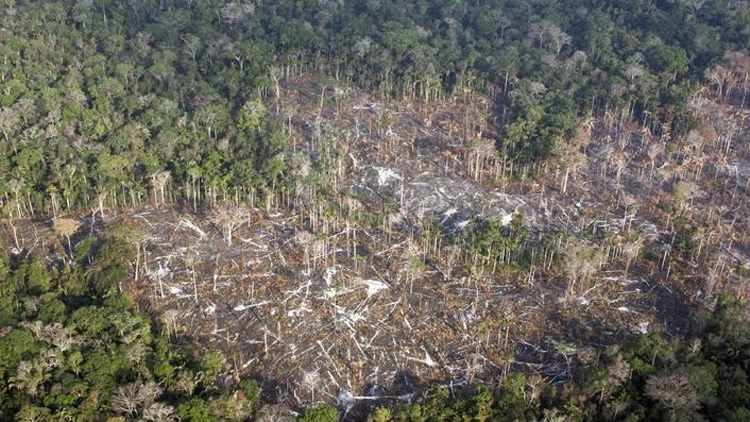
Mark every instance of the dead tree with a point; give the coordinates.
(159, 183)
(192, 260)
(7, 213)
(571, 160)
(229, 218)
(66, 227)
(100, 198)
(305, 239)
(581, 262)
(673, 391)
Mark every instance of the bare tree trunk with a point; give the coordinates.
(195, 285)
(15, 235)
(137, 259)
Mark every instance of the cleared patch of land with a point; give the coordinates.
(356, 285)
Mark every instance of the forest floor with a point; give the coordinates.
(324, 307)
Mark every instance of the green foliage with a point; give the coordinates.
(513, 404)
(15, 346)
(71, 343)
(30, 276)
(543, 121)
(322, 413)
(195, 410)
(125, 93)
(648, 353)
(496, 245)
(381, 414)
(84, 248)
(252, 115)
(211, 364)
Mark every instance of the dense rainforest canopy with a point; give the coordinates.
(111, 98)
